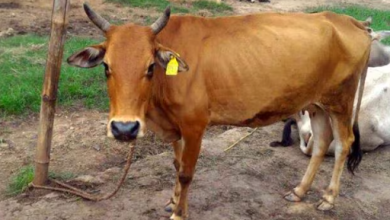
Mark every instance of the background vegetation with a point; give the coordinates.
(184, 7)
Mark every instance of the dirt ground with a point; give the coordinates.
(247, 182)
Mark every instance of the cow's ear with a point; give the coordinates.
(88, 57)
(164, 55)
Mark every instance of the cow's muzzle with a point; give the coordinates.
(306, 138)
(125, 131)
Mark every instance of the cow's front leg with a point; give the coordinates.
(192, 143)
(177, 148)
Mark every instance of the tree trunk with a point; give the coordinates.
(49, 93)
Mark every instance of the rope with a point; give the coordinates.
(72, 190)
(235, 143)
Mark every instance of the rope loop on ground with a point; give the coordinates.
(74, 191)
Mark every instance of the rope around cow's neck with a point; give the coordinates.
(72, 190)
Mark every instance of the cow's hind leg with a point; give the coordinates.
(322, 137)
(178, 149)
(343, 139)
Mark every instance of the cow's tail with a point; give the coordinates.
(286, 136)
(356, 154)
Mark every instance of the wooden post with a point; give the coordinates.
(59, 21)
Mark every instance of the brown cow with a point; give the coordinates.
(250, 70)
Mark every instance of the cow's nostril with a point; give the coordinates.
(135, 128)
(114, 129)
(125, 131)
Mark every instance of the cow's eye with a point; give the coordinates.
(150, 70)
(106, 70)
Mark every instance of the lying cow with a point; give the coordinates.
(374, 118)
(219, 79)
(380, 54)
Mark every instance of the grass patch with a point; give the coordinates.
(381, 18)
(183, 7)
(213, 7)
(21, 180)
(159, 5)
(22, 67)
(62, 176)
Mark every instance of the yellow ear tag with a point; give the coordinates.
(172, 67)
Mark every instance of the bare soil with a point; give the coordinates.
(247, 182)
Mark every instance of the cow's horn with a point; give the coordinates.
(367, 22)
(158, 25)
(98, 20)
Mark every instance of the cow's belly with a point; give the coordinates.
(257, 98)
(252, 110)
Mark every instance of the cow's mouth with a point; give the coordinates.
(307, 139)
(124, 138)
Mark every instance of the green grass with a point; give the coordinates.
(213, 7)
(61, 176)
(22, 67)
(381, 18)
(20, 181)
(160, 5)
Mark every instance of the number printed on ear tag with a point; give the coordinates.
(172, 67)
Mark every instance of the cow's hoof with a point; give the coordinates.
(324, 205)
(292, 197)
(175, 217)
(169, 206)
